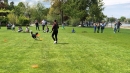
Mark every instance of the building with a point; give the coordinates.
(4, 7)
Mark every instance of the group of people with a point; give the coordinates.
(54, 31)
(27, 30)
(99, 26)
(44, 23)
(20, 29)
(117, 27)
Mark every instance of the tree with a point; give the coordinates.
(95, 10)
(78, 8)
(122, 18)
(37, 12)
(12, 18)
(11, 6)
(19, 9)
(112, 19)
(56, 9)
(22, 20)
(27, 12)
(128, 20)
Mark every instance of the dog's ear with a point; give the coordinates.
(36, 32)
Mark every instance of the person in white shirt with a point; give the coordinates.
(13, 27)
(43, 24)
(27, 29)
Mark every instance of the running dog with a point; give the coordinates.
(35, 36)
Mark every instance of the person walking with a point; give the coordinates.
(115, 27)
(55, 28)
(118, 26)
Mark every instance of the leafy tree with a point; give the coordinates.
(21, 4)
(3, 20)
(122, 18)
(11, 6)
(19, 9)
(37, 11)
(95, 10)
(56, 11)
(78, 8)
(112, 19)
(12, 18)
(128, 20)
(22, 20)
(28, 11)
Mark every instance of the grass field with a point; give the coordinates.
(80, 52)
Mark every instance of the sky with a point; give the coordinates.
(117, 8)
(113, 2)
(31, 2)
(113, 8)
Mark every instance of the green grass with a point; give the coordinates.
(80, 52)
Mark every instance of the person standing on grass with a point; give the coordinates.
(55, 28)
(118, 26)
(115, 27)
(98, 27)
(43, 24)
(37, 25)
(95, 27)
(63, 25)
(102, 27)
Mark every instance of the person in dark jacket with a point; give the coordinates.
(37, 25)
(118, 26)
(98, 27)
(102, 27)
(55, 28)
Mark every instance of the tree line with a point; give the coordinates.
(70, 11)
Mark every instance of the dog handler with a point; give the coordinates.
(55, 31)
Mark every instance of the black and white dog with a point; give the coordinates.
(34, 36)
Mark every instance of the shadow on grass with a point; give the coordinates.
(63, 43)
(39, 40)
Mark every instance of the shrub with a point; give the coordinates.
(22, 20)
(12, 18)
(4, 20)
(52, 17)
(74, 22)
